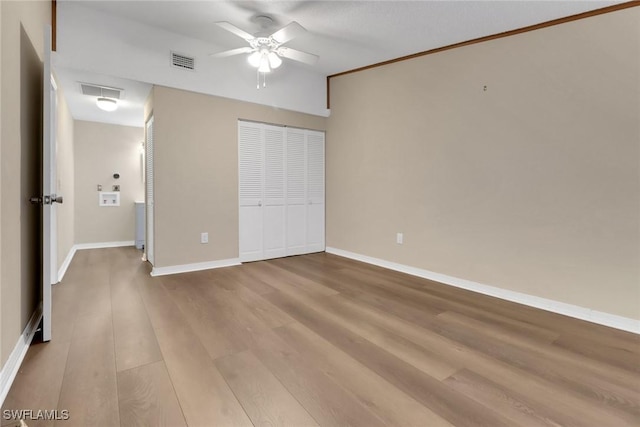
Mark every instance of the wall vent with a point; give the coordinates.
(97, 90)
(182, 61)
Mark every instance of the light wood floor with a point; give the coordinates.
(315, 340)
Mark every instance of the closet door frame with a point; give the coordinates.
(149, 244)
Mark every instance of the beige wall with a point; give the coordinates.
(196, 172)
(532, 185)
(65, 174)
(2, 356)
(100, 150)
(21, 54)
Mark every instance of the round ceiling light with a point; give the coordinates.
(107, 104)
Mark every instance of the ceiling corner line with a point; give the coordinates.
(553, 22)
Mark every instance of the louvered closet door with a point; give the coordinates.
(250, 191)
(315, 192)
(296, 191)
(274, 192)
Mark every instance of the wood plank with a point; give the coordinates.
(529, 315)
(64, 299)
(161, 308)
(93, 295)
(332, 308)
(240, 286)
(608, 351)
(89, 389)
(381, 397)
(457, 409)
(549, 353)
(241, 273)
(475, 307)
(203, 394)
(135, 341)
(361, 288)
(508, 375)
(263, 397)
(522, 410)
(352, 344)
(274, 276)
(218, 320)
(38, 382)
(574, 378)
(146, 397)
(324, 399)
(419, 357)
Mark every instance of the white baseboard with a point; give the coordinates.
(67, 261)
(185, 268)
(594, 316)
(11, 367)
(80, 246)
(100, 245)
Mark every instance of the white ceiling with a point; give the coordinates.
(131, 40)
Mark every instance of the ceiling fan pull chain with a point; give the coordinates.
(258, 79)
(264, 79)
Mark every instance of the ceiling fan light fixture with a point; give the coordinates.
(265, 53)
(107, 104)
(264, 65)
(254, 59)
(274, 60)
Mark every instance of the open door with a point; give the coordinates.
(49, 198)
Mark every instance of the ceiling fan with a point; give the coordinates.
(265, 52)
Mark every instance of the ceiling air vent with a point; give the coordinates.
(182, 61)
(102, 91)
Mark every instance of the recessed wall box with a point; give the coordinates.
(109, 198)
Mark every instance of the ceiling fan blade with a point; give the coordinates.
(235, 30)
(288, 32)
(231, 52)
(297, 55)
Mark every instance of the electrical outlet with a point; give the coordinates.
(399, 238)
(204, 237)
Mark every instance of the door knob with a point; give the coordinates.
(57, 199)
